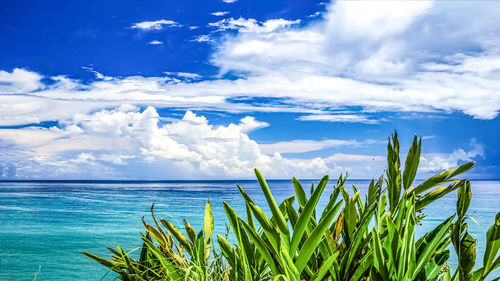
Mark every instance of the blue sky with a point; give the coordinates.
(212, 89)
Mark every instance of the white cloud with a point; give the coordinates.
(252, 25)
(155, 42)
(121, 138)
(155, 25)
(229, 1)
(314, 15)
(428, 61)
(372, 20)
(442, 161)
(125, 142)
(341, 118)
(185, 75)
(68, 83)
(383, 50)
(220, 13)
(19, 81)
(249, 124)
(203, 38)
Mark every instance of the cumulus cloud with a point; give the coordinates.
(119, 138)
(126, 142)
(155, 25)
(249, 124)
(19, 81)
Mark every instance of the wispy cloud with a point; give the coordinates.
(155, 42)
(203, 38)
(97, 74)
(155, 25)
(220, 13)
(252, 25)
(184, 75)
(229, 1)
(314, 15)
(340, 118)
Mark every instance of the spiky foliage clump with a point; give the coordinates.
(351, 239)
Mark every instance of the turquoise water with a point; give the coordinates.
(45, 225)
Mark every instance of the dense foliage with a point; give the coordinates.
(351, 239)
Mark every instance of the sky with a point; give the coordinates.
(160, 90)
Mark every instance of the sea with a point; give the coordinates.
(44, 225)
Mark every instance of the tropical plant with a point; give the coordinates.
(187, 259)
(349, 239)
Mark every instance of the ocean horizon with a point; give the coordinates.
(46, 224)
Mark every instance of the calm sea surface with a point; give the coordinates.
(45, 225)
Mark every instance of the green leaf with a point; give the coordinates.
(429, 248)
(364, 264)
(313, 240)
(107, 263)
(226, 249)
(379, 257)
(266, 225)
(437, 193)
(467, 256)
(178, 235)
(208, 222)
(356, 243)
(299, 192)
(249, 215)
(464, 197)
(492, 245)
(327, 264)
(442, 178)
(393, 172)
(166, 264)
(411, 163)
(374, 191)
(156, 234)
(306, 215)
(280, 220)
(190, 231)
(266, 252)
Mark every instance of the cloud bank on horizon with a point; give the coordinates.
(355, 63)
